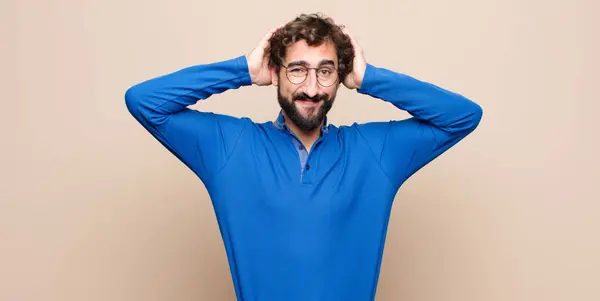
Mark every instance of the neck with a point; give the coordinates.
(307, 138)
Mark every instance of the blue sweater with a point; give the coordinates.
(301, 227)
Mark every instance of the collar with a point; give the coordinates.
(279, 123)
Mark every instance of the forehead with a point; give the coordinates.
(313, 55)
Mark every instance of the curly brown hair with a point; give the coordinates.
(316, 30)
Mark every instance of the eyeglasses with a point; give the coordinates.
(297, 74)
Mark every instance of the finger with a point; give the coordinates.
(346, 31)
(273, 30)
(352, 39)
(265, 39)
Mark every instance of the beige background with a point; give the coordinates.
(93, 208)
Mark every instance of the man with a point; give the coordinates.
(302, 205)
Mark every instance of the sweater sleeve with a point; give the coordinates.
(203, 141)
(439, 120)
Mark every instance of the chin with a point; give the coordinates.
(313, 108)
(309, 113)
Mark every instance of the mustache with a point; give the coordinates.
(303, 96)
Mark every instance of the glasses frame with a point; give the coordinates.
(337, 74)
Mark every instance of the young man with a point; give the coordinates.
(302, 205)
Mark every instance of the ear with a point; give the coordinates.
(274, 77)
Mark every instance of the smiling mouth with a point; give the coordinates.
(308, 101)
(308, 104)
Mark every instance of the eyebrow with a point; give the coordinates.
(306, 64)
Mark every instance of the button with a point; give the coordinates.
(307, 167)
(300, 147)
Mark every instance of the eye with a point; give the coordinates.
(297, 70)
(325, 71)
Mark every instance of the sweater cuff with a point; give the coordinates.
(368, 79)
(243, 71)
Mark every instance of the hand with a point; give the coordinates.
(258, 61)
(355, 78)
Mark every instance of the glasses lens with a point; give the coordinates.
(297, 74)
(326, 76)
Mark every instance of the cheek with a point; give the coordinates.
(287, 92)
(288, 89)
(331, 91)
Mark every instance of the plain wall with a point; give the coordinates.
(93, 208)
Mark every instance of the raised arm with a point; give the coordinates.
(440, 118)
(201, 140)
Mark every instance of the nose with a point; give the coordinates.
(311, 84)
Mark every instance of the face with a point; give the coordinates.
(306, 104)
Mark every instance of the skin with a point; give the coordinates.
(262, 75)
(296, 97)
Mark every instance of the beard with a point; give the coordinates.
(312, 121)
